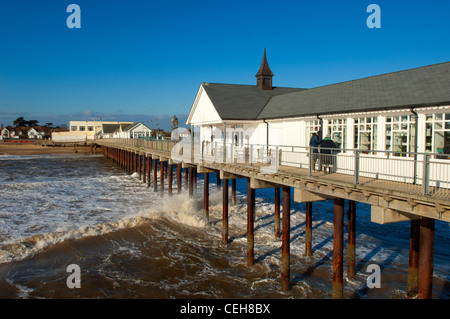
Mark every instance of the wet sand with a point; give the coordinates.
(38, 149)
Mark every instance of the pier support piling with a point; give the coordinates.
(206, 195)
(179, 178)
(161, 176)
(285, 239)
(426, 258)
(194, 180)
(191, 182)
(225, 212)
(149, 170)
(351, 244)
(170, 178)
(233, 192)
(338, 249)
(277, 232)
(413, 269)
(144, 169)
(308, 229)
(218, 181)
(155, 175)
(250, 224)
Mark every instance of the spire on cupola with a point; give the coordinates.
(264, 75)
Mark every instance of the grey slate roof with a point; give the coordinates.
(128, 127)
(241, 102)
(424, 86)
(110, 128)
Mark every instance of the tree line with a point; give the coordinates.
(20, 121)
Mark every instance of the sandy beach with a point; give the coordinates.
(38, 149)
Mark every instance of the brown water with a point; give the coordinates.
(130, 243)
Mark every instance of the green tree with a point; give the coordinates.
(20, 121)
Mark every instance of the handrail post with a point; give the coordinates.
(215, 151)
(356, 172)
(310, 168)
(425, 174)
(277, 157)
(231, 152)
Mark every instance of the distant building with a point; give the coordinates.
(39, 132)
(134, 130)
(85, 130)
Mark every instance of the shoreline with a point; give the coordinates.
(39, 149)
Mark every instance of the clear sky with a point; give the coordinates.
(142, 59)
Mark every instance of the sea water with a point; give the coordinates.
(130, 242)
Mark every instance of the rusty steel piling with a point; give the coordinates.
(250, 224)
(413, 267)
(351, 243)
(179, 178)
(277, 232)
(206, 195)
(338, 249)
(426, 258)
(308, 229)
(285, 239)
(225, 212)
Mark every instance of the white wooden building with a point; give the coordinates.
(395, 115)
(134, 130)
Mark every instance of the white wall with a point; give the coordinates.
(203, 111)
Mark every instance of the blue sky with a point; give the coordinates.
(140, 60)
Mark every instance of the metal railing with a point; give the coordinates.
(418, 173)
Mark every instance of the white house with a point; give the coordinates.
(37, 132)
(390, 115)
(133, 130)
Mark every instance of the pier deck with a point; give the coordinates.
(402, 197)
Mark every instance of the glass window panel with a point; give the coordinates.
(428, 134)
(438, 116)
(375, 145)
(365, 140)
(438, 126)
(439, 142)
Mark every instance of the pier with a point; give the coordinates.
(420, 198)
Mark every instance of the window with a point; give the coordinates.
(437, 134)
(400, 134)
(366, 133)
(337, 128)
(311, 127)
(82, 128)
(90, 128)
(73, 128)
